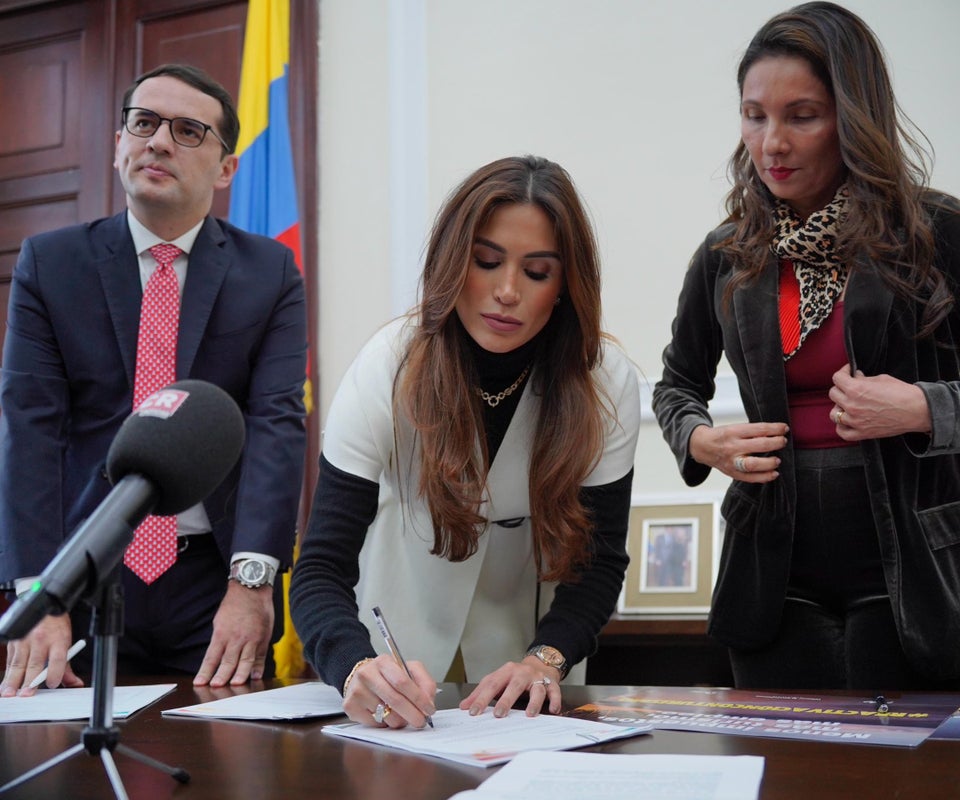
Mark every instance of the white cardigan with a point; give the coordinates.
(484, 605)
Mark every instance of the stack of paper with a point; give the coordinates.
(485, 740)
(54, 705)
(299, 701)
(571, 776)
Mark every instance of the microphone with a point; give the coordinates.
(169, 454)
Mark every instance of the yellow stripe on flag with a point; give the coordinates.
(288, 651)
(266, 52)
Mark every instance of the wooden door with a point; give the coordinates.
(55, 125)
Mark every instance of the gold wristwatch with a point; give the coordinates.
(549, 656)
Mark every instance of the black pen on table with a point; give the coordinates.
(392, 646)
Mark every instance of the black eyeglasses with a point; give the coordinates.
(187, 132)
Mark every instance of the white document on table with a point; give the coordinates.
(485, 740)
(298, 701)
(613, 776)
(58, 705)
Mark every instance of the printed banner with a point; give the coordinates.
(902, 719)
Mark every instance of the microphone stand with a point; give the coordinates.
(101, 737)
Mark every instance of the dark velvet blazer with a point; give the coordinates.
(67, 381)
(913, 480)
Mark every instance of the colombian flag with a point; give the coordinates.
(263, 197)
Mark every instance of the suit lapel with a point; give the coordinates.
(867, 306)
(205, 275)
(120, 277)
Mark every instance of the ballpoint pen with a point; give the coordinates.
(75, 648)
(392, 646)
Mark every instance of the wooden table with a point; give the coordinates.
(236, 760)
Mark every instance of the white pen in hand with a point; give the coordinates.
(75, 648)
(392, 646)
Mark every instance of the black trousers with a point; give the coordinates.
(168, 624)
(837, 629)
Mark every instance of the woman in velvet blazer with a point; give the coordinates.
(830, 290)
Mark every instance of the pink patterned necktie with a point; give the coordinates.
(154, 547)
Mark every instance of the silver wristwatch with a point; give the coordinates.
(252, 572)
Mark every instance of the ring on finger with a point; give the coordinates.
(542, 682)
(740, 463)
(381, 713)
(839, 415)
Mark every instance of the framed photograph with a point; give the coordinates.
(674, 550)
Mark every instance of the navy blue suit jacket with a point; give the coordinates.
(68, 369)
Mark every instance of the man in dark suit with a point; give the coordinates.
(67, 384)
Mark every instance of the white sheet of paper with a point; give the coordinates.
(58, 705)
(485, 740)
(298, 701)
(613, 776)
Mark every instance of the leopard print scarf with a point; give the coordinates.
(809, 245)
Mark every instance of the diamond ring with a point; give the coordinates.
(382, 712)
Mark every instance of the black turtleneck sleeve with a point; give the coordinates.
(322, 598)
(580, 610)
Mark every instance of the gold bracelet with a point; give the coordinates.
(353, 672)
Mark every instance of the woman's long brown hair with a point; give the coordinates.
(886, 166)
(434, 385)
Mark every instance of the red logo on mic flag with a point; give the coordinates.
(163, 403)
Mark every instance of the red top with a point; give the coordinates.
(810, 371)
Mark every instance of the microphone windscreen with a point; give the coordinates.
(185, 438)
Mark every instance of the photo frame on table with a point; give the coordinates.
(674, 548)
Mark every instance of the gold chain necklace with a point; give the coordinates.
(493, 400)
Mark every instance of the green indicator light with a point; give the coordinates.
(36, 586)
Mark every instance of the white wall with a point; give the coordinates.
(636, 98)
